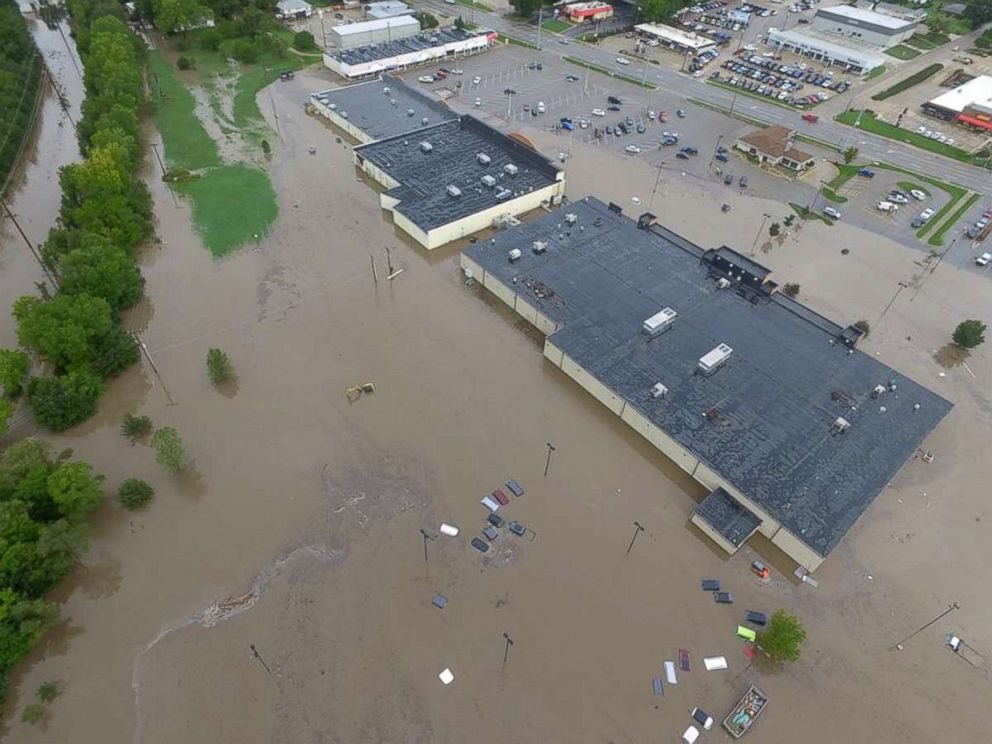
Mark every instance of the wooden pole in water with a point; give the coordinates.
(506, 649)
(375, 277)
(49, 275)
(547, 463)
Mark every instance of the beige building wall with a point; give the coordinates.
(672, 449)
(712, 534)
(598, 390)
(799, 552)
(340, 122)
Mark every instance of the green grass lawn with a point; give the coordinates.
(556, 25)
(187, 144)
(875, 72)
(231, 205)
(476, 5)
(908, 82)
(901, 51)
(805, 214)
(870, 124)
(938, 237)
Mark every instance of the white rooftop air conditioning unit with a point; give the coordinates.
(426, 146)
(393, 102)
(539, 246)
(713, 360)
(344, 114)
(514, 254)
(503, 194)
(571, 218)
(488, 181)
(454, 191)
(424, 121)
(483, 158)
(659, 390)
(840, 425)
(722, 283)
(386, 90)
(659, 322)
(878, 390)
(510, 169)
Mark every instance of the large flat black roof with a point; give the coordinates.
(381, 114)
(765, 420)
(452, 160)
(420, 42)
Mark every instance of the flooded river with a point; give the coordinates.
(298, 530)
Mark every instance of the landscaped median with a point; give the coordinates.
(869, 123)
(513, 40)
(611, 73)
(908, 82)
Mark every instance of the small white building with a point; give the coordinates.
(293, 9)
(354, 35)
(868, 26)
(436, 44)
(676, 38)
(386, 9)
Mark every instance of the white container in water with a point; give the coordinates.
(449, 529)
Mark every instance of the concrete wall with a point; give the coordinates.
(474, 45)
(699, 470)
(353, 35)
(374, 172)
(340, 122)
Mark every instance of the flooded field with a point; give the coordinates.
(298, 531)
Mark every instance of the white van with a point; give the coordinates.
(886, 206)
(540, 107)
(690, 735)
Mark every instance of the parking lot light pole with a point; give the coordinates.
(509, 97)
(715, 150)
(764, 218)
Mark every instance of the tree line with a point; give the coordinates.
(75, 334)
(20, 79)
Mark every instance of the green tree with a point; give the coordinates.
(14, 368)
(75, 488)
(253, 22)
(426, 20)
(32, 713)
(978, 12)
(791, 290)
(135, 427)
(774, 229)
(22, 622)
(133, 493)
(210, 39)
(172, 16)
(6, 411)
(47, 691)
(60, 403)
(850, 154)
(61, 544)
(783, 637)
(169, 450)
(969, 334)
(66, 331)
(100, 269)
(657, 10)
(219, 365)
(186, 63)
(789, 220)
(303, 41)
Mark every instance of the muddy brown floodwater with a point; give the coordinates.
(298, 530)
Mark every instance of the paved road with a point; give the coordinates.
(871, 146)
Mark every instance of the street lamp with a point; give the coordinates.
(323, 34)
(764, 218)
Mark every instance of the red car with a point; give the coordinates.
(662, 116)
(811, 118)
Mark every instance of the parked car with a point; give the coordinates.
(728, 179)
(722, 157)
(866, 173)
(689, 150)
(476, 80)
(622, 61)
(651, 115)
(927, 213)
(742, 182)
(598, 112)
(918, 195)
(632, 149)
(886, 206)
(641, 129)
(609, 129)
(831, 212)
(983, 260)
(613, 107)
(478, 102)
(425, 79)
(286, 75)
(614, 100)
(897, 197)
(680, 113)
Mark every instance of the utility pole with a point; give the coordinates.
(506, 648)
(950, 608)
(540, 22)
(764, 218)
(715, 150)
(547, 463)
(258, 656)
(37, 257)
(68, 49)
(375, 276)
(638, 529)
(426, 538)
(158, 157)
(657, 180)
(902, 286)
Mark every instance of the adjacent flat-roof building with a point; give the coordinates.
(865, 25)
(676, 38)
(970, 104)
(850, 53)
(447, 181)
(381, 30)
(589, 11)
(387, 9)
(380, 108)
(398, 54)
(775, 145)
(293, 9)
(766, 403)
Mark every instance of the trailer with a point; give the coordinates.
(963, 650)
(745, 712)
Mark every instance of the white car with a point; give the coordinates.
(476, 80)
(562, 40)
(926, 214)
(458, 71)
(750, 47)
(897, 198)
(950, 141)
(622, 61)
(886, 206)
(831, 212)
(598, 112)
(478, 102)
(652, 115)
(921, 130)
(918, 195)
(632, 149)
(984, 259)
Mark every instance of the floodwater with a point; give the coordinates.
(298, 530)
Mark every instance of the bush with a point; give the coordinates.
(32, 714)
(47, 691)
(426, 20)
(169, 450)
(907, 83)
(219, 365)
(135, 427)
(14, 368)
(60, 403)
(186, 63)
(133, 493)
(791, 290)
(210, 39)
(969, 334)
(244, 51)
(303, 41)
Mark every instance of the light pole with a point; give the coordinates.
(764, 218)
(323, 34)
(426, 538)
(950, 608)
(638, 529)
(656, 181)
(715, 150)
(812, 204)
(506, 648)
(902, 286)
(547, 463)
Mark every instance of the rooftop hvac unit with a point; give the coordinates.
(571, 218)
(454, 191)
(488, 181)
(840, 425)
(510, 169)
(483, 158)
(426, 146)
(877, 391)
(344, 114)
(659, 322)
(503, 194)
(714, 359)
(410, 112)
(333, 107)
(514, 254)
(393, 102)
(539, 246)
(659, 390)
(722, 283)
(386, 90)
(424, 121)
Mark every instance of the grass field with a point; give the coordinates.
(938, 237)
(515, 41)
(231, 203)
(908, 186)
(875, 72)
(908, 82)
(870, 124)
(555, 25)
(901, 51)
